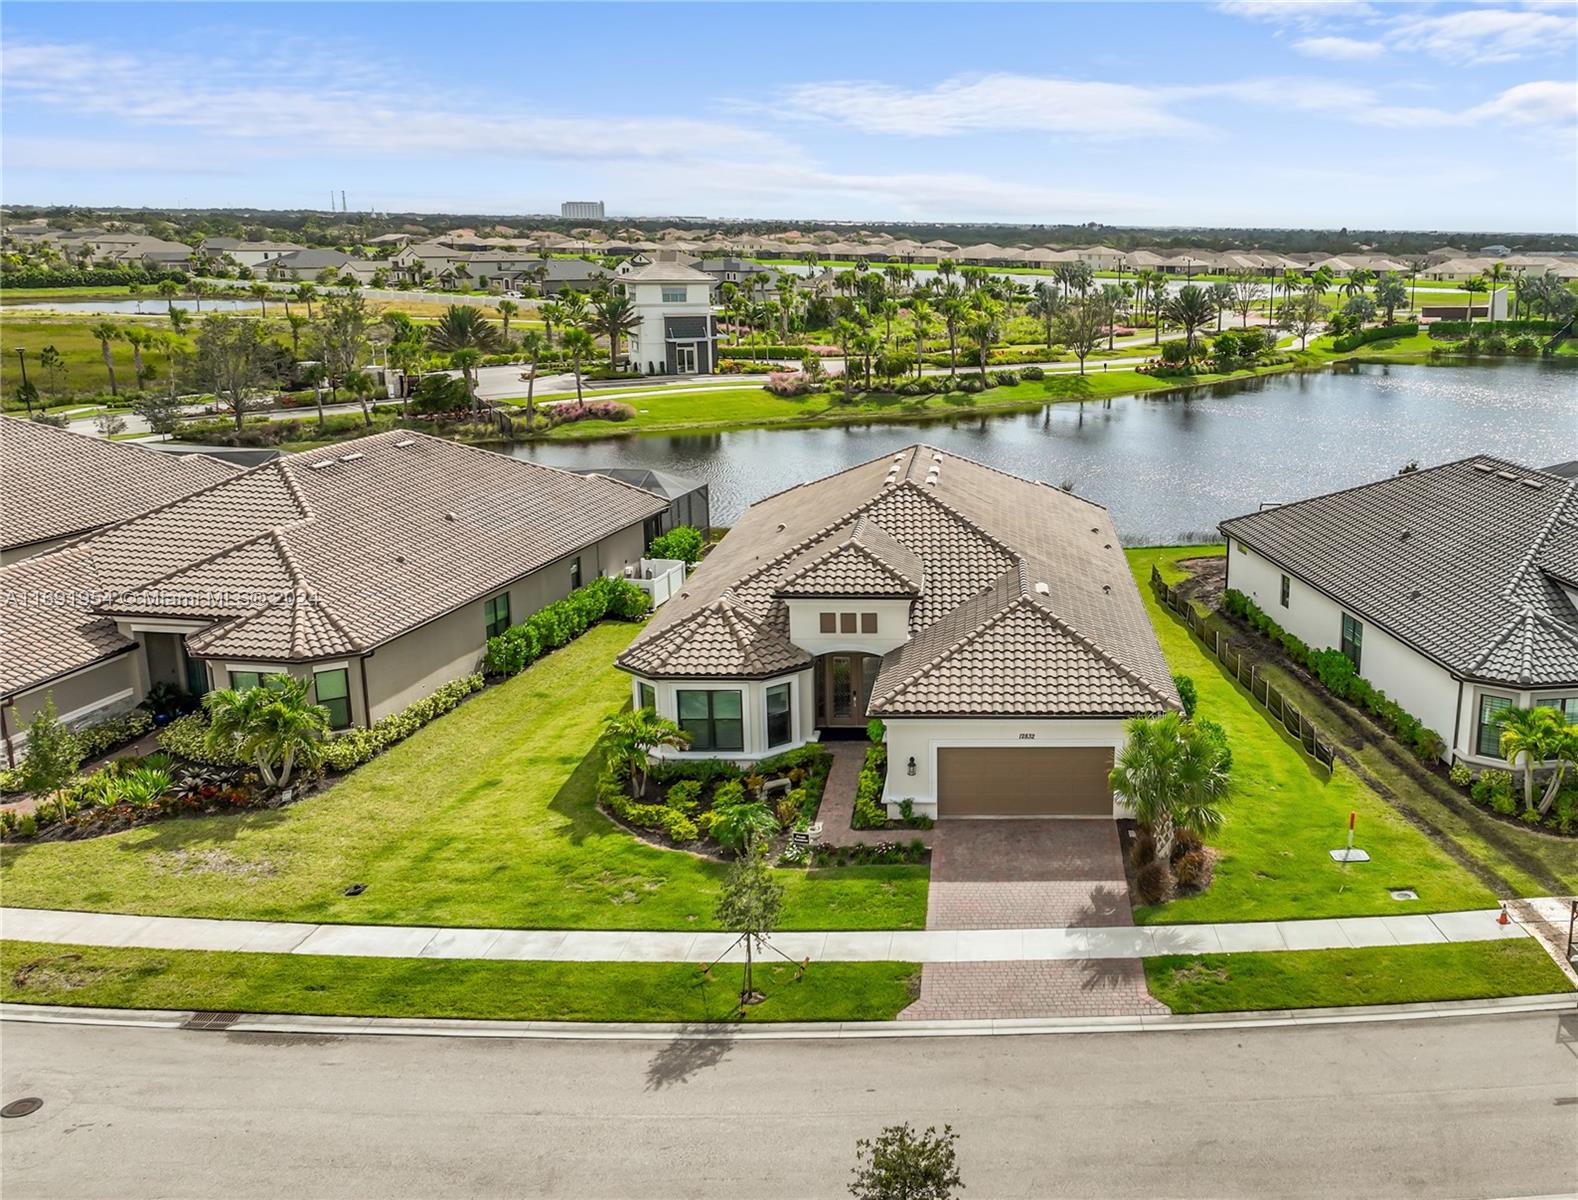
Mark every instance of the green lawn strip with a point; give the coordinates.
(484, 818)
(80, 350)
(205, 980)
(1202, 983)
(1284, 813)
(1530, 863)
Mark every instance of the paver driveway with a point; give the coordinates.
(1015, 874)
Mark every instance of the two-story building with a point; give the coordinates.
(676, 334)
(991, 623)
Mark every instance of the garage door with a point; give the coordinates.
(1024, 781)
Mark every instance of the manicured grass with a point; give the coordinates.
(1189, 983)
(484, 818)
(96, 976)
(1284, 812)
(100, 291)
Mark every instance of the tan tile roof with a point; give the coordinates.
(55, 484)
(325, 552)
(992, 551)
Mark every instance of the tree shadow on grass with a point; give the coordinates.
(576, 802)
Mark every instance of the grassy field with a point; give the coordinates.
(484, 818)
(84, 361)
(1285, 812)
(1374, 975)
(37, 973)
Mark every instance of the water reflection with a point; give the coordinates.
(1168, 466)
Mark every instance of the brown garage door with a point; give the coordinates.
(1024, 781)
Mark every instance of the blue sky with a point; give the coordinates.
(1293, 113)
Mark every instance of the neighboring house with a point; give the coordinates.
(309, 264)
(60, 485)
(248, 254)
(990, 622)
(688, 499)
(676, 334)
(738, 271)
(1454, 589)
(376, 568)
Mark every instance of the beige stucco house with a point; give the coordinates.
(1454, 590)
(377, 568)
(990, 622)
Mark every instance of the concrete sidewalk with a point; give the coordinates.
(590, 945)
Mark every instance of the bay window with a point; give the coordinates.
(712, 718)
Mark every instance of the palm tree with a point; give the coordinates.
(179, 319)
(1045, 304)
(1472, 286)
(983, 331)
(552, 313)
(463, 327)
(466, 360)
(614, 317)
(274, 726)
(1173, 777)
(1529, 737)
(54, 366)
(1495, 277)
(169, 289)
(630, 739)
(199, 288)
(107, 333)
(136, 338)
(954, 309)
(260, 292)
(306, 294)
(507, 310)
(1222, 298)
(533, 345)
(920, 320)
(1191, 309)
(1291, 281)
(361, 386)
(1158, 298)
(1390, 294)
(578, 343)
(297, 323)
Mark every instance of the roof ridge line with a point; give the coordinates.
(948, 652)
(1526, 564)
(1008, 550)
(1496, 640)
(1101, 651)
(208, 559)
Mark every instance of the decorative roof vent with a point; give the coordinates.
(1042, 589)
(352, 457)
(403, 442)
(319, 466)
(1484, 468)
(1415, 594)
(1405, 535)
(449, 516)
(1533, 484)
(1106, 589)
(1507, 475)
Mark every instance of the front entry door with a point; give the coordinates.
(844, 687)
(685, 360)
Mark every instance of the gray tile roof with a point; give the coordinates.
(1464, 562)
(1002, 567)
(58, 483)
(666, 272)
(325, 552)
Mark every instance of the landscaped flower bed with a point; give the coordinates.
(94, 741)
(715, 807)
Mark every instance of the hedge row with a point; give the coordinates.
(561, 622)
(614, 796)
(1339, 678)
(870, 811)
(62, 277)
(1460, 328)
(1363, 337)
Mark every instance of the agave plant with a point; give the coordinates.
(145, 787)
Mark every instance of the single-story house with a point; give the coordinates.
(1453, 589)
(60, 485)
(309, 264)
(248, 254)
(990, 622)
(376, 568)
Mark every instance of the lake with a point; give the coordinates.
(1168, 467)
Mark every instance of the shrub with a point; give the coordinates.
(870, 811)
(876, 731)
(187, 738)
(788, 809)
(1187, 694)
(562, 621)
(1460, 775)
(1217, 737)
(1153, 883)
(355, 746)
(1033, 374)
(1193, 869)
(1564, 813)
(682, 542)
(971, 384)
(705, 771)
(1185, 842)
(736, 825)
(1362, 337)
(685, 796)
(611, 794)
(790, 383)
(1005, 379)
(729, 794)
(1504, 803)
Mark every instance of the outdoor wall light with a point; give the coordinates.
(909, 768)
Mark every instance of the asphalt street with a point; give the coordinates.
(1462, 1107)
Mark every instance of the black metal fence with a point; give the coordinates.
(1277, 706)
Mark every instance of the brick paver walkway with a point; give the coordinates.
(838, 800)
(1007, 874)
(1091, 987)
(1016, 874)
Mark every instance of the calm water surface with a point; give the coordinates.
(1168, 467)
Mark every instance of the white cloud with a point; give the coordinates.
(1298, 14)
(1341, 49)
(1003, 102)
(1487, 35)
(351, 116)
(1547, 102)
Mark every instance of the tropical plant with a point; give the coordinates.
(260, 293)
(1192, 310)
(615, 317)
(107, 333)
(1473, 287)
(577, 343)
(305, 293)
(53, 753)
(1081, 324)
(1532, 736)
(361, 386)
(507, 311)
(273, 725)
(533, 346)
(682, 543)
(1173, 776)
(1390, 294)
(630, 739)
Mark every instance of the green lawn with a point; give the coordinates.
(483, 818)
(84, 360)
(96, 976)
(1284, 812)
(1189, 983)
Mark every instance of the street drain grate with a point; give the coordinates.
(25, 1107)
(1405, 894)
(211, 1020)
